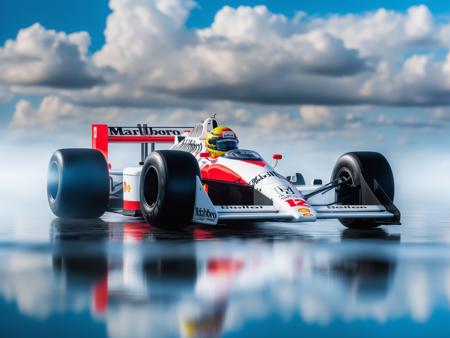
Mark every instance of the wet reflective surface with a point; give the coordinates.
(119, 277)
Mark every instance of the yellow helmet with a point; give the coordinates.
(220, 140)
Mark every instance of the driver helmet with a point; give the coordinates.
(220, 140)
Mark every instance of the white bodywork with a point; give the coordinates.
(131, 178)
(280, 212)
(288, 202)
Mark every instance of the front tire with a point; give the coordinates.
(167, 189)
(365, 172)
(78, 183)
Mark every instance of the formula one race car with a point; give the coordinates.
(183, 185)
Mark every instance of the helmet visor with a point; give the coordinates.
(226, 144)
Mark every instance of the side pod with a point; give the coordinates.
(204, 210)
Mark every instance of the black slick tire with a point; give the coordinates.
(167, 189)
(365, 171)
(78, 183)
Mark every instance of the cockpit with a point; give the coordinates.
(243, 154)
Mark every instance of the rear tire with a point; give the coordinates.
(371, 167)
(78, 183)
(167, 189)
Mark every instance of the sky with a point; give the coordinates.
(86, 15)
(311, 79)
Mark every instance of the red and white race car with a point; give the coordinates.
(185, 184)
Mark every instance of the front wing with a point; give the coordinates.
(207, 213)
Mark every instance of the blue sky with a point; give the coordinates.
(345, 73)
(345, 76)
(73, 16)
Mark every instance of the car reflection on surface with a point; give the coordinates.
(135, 281)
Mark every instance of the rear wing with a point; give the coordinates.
(103, 135)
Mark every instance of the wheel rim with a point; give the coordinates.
(345, 175)
(348, 192)
(151, 187)
(53, 180)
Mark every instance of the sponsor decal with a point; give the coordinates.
(205, 213)
(255, 180)
(284, 190)
(241, 207)
(340, 207)
(228, 134)
(142, 131)
(126, 187)
(304, 210)
(308, 215)
(297, 202)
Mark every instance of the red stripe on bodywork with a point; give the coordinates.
(100, 138)
(141, 139)
(259, 163)
(131, 205)
(219, 172)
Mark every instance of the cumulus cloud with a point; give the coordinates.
(56, 114)
(248, 56)
(315, 115)
(310, 123)
(278, 40)
(40, 57)
(323, 118)
(382, 33)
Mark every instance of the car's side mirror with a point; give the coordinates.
(276, 157)
(204, 154)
